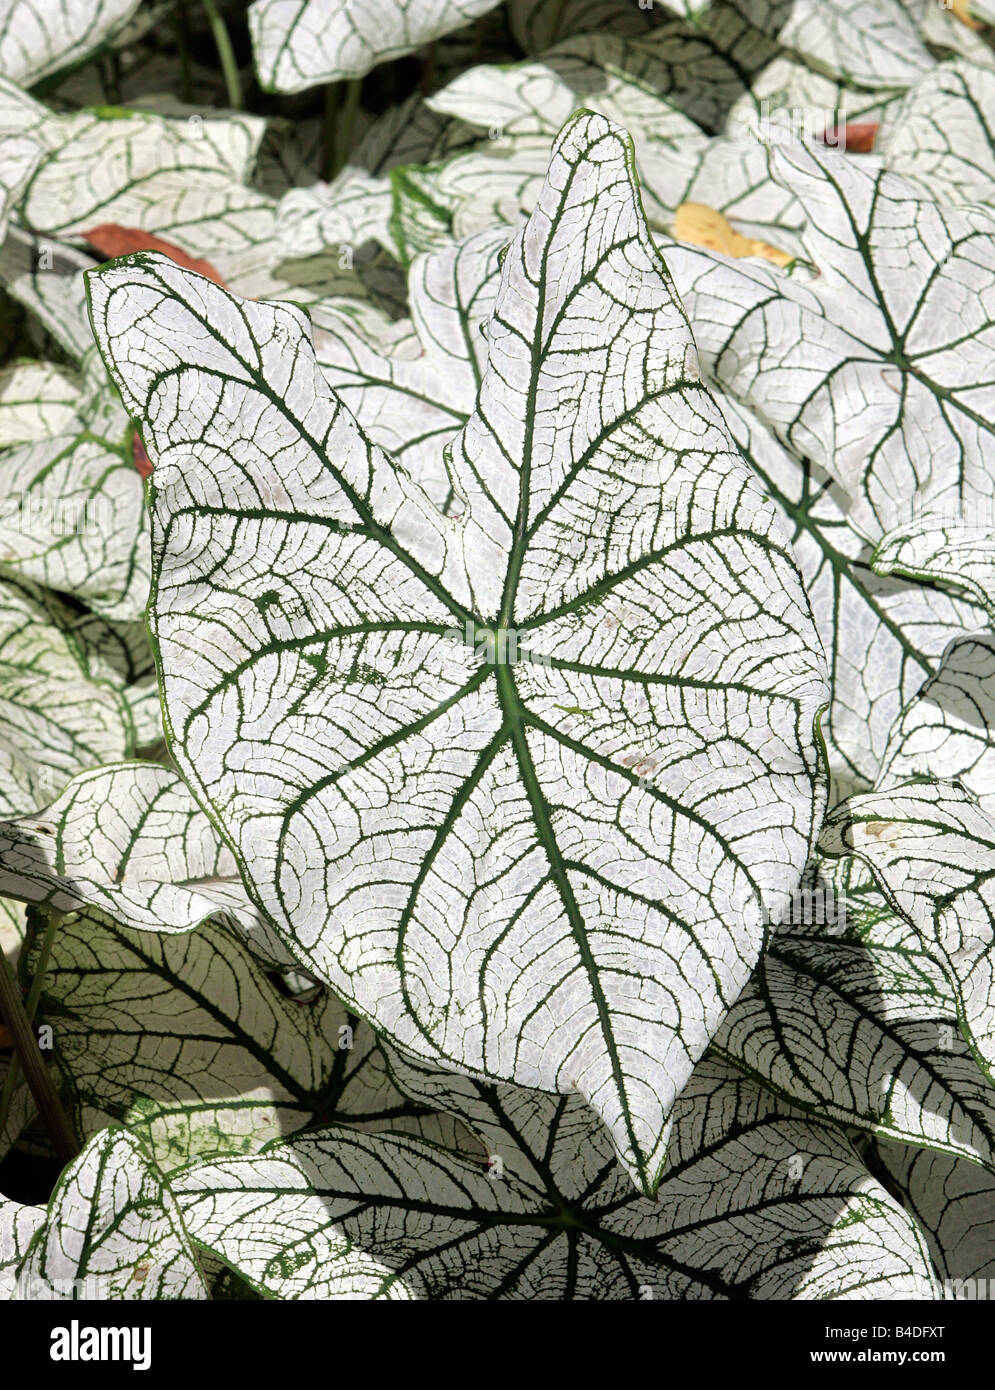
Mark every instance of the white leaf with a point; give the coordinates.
(567, 881)
(17, 1226)
(412, 385)
(948, 730)
(299, 43)
(113, 1231)
(946, 551)
(882, 637)
(72, 507)
(53, 722)
(759, 1204)
(953, 1202)
(131, 841)
(943, 134)
(871, 43)
(882, 369)
(36, 40)
(188, 1042)
(932, 848)
(849, 1019)
(37, 400)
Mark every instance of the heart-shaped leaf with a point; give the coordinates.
(489, 776)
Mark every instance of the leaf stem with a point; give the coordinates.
(183, 50)
(428, 67)
(18, 1018)
(226, 53)
(345, 127)
(333, 95)
(554, 28)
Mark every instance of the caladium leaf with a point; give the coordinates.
(297, 44)
(643, 83)
(882, 637)
(182, 178)
(849, 1019)
(943, 134)
(19, 153)
(18, 1224)
(37, 400)
(955, 553)
(47, 278)
(498, 945)
(472, 192)
(352, 210)
(113, 1230)
(539, 24)
(931, 846)
(871, 43)
(501, 182)
(951, 30)
(53, 722)
(899, 402)
(953, 1203)
(120, 655)
(758, 1203)
(412, 385)
(102, 164)
(668, 90)
(36, 41)
(948, 730)
(73, 511)
(788, 100)
(189, 1043)
(130, 841)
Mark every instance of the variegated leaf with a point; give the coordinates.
(568, 883)
(758, 1203)
(948, 730)
(943, 134)
(189, 1043)
(130, 841)
(932, 848)
(37, 39)
(300, 43)
(113, 1230)
(954, 1204)
(882, 368)
(848, 1018)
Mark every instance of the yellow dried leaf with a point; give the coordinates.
(704, 226)
(962, 10)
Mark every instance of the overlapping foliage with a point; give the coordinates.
(497, 681)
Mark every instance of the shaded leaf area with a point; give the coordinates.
(756, 1202)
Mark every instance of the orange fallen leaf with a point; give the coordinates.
(856, 139)
(111, 240)
(701, 225)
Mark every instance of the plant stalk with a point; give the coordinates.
(333, 96)
(18, 1018)
(222, 42)
(344, 127)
